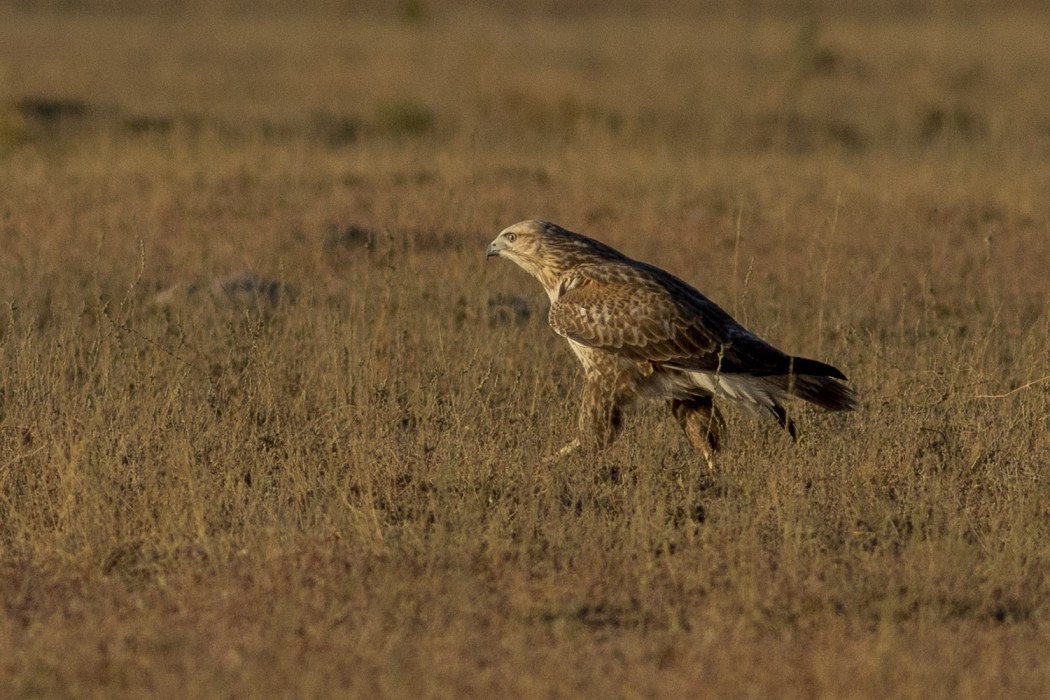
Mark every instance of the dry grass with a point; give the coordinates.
(325, 479)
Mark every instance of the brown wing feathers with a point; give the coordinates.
(636, 322)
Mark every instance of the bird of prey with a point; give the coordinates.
(641, 332)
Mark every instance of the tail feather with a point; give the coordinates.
(824, 390)
(810, 380)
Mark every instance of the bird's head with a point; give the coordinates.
(521, 243)
(546, 250)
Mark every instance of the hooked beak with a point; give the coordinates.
(493, 249)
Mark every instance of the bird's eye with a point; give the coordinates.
(512, 237)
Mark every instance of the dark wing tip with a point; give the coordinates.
(815, 368)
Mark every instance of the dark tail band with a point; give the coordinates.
(819, 383)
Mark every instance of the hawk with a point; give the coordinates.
(641, 332)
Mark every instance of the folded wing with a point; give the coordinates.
(660, 319)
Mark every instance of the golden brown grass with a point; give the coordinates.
(341, 493)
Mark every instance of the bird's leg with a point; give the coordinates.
(601, 415)
(702, 424)
(785, 421)
(600, 421)
(601, 418)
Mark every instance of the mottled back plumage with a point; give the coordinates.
(640, 331)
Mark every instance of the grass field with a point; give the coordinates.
(270, 426)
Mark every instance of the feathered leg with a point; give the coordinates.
(601, 411)
(701, 422)
(601, 414)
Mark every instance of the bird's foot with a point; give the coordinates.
(564, 452)
(709, 458)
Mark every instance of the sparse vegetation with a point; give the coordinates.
(321, 474)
